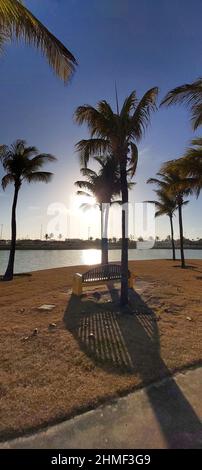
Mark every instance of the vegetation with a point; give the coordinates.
(166, 205)
(17, 22)
(175, 185)
(117, 134)
(104, 186)
(21, 163)
(191, 95)
(190, 165)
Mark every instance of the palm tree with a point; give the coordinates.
(21, 163)
(191, 95)
(117, 134)
(190, 164)
(16, 21)
(166, 205)
(103, 186)
(173, 184)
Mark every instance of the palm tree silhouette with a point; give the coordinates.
(166, 205)
(16, 21)
(117, 134)
(191, 95)
(190, 165)
(21, 163)
(175, 185)
(103, 186)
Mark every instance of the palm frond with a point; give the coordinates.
(105, 109)
(141, 116)
(88, 172)
(39, 176)
(87, 148)
(158, 182)
(128, 105)
(38, 161)
(5, 37)
(7, 179)
(86, 207)
(86, 114)
(22, 24)
(191, 95)
(197, 141)
(85, 185)
(101, 122)
(196, 117)
(83, 193)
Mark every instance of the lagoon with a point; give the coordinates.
(34, 260)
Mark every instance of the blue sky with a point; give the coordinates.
(141, 44)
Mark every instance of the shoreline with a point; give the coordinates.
(94, 247)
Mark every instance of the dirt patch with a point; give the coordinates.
(95, 351)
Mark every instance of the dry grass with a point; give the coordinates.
(95, 352)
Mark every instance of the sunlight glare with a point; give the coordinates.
(91, 256)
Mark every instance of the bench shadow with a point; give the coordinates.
(126, 341)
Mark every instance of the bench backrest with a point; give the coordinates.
(105, 272)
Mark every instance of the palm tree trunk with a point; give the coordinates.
(106, 219)
(124, 251)
(181, 236)
(104, 240)
(8, 276)
(172, 236)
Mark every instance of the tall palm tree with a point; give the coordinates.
(176, 186)
(104, 186)
(166, 205)
(16, 21)
(191, 95)
(116, 133)
(21, 163)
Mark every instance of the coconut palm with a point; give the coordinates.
(191, 95)
(166, 205)
(103, 186)
(116, 133)
(175, 185)
(190, 165)
(16, 21)
(21, 163)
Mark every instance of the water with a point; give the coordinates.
(28, 260)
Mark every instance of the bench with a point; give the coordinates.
(98, 275)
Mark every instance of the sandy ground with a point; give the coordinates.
(95, 351)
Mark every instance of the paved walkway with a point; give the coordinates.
(164, 415)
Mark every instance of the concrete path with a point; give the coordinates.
(164, 415)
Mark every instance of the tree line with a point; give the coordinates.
(112, 142)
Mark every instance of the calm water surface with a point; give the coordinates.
(27, 260)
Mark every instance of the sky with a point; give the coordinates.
(138, 43)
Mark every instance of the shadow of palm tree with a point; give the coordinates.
(127, 341)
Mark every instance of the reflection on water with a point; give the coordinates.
(91, 256)
(28, 260)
